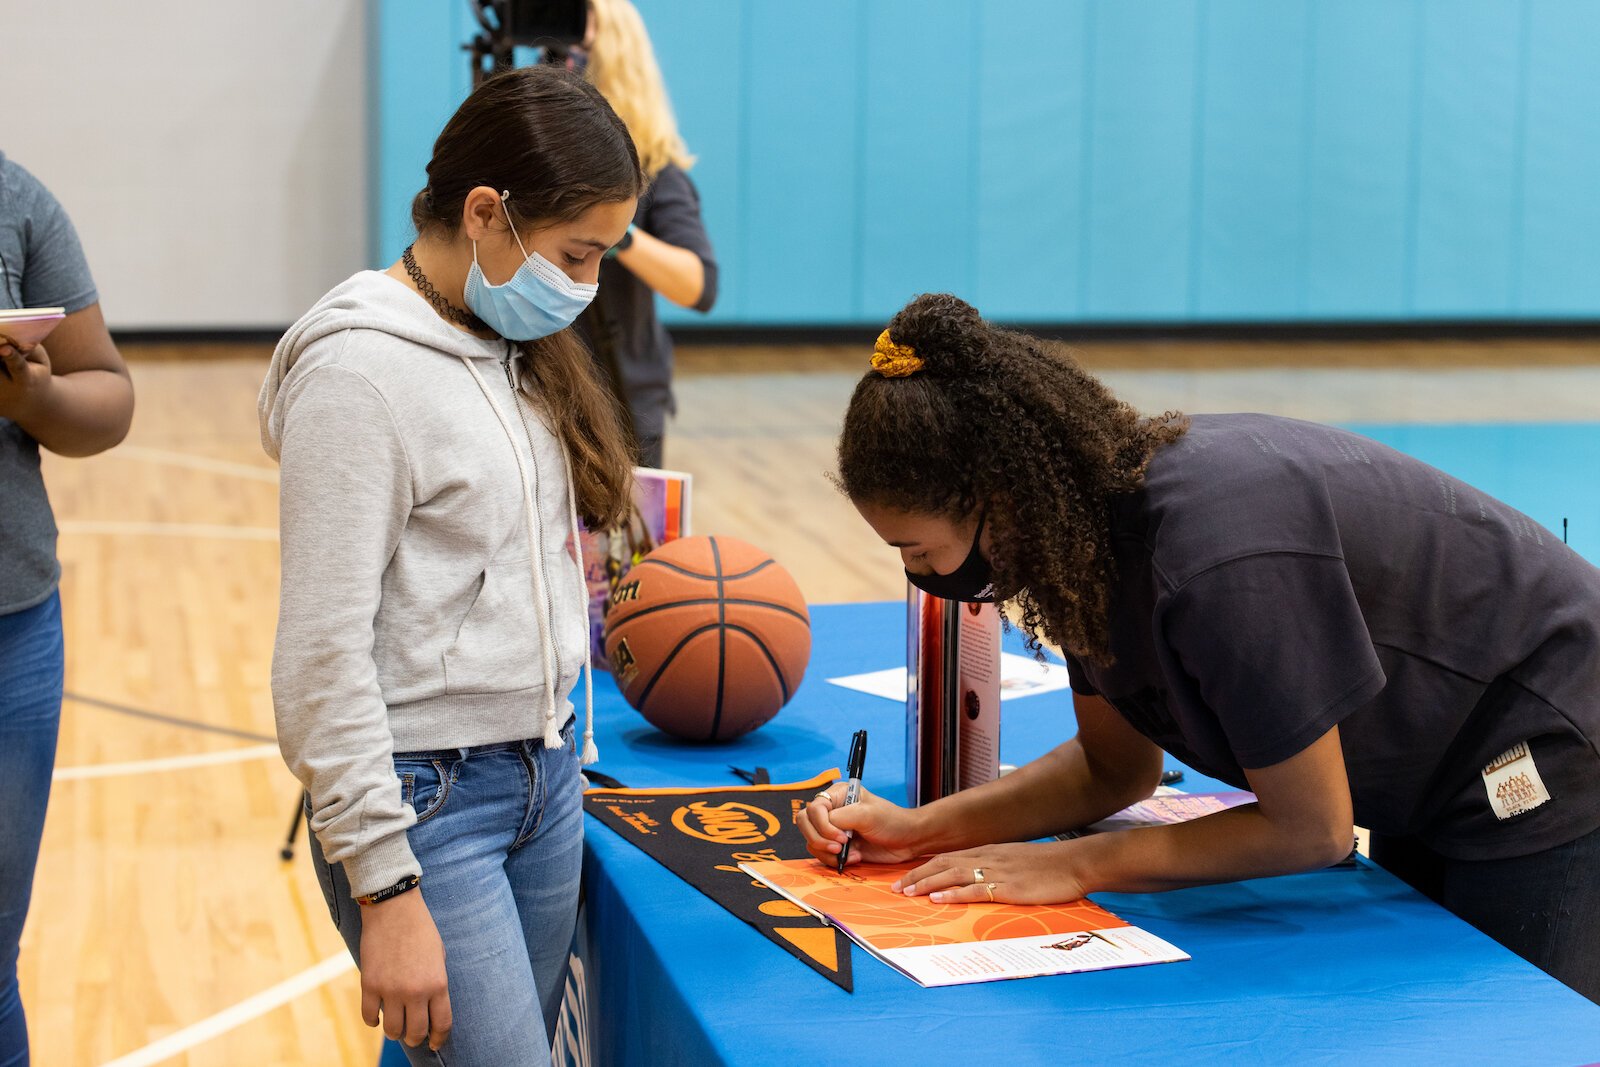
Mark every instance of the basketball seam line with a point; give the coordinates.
(666, 661)
(708, 600)
(772, 661)
(706, 577)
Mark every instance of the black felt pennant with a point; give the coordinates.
(702, 835)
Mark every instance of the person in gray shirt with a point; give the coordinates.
(1351, 634)
(70, 394)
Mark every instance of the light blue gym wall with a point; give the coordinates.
(1103, 160)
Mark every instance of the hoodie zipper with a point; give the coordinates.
(544, 568)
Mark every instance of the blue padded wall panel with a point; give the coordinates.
(418, 76)
(1466, 179)
(800, 204)
(1142, 135)
(1033, 64)
(1084, 160)
(1360, 158)
(1247, 255)
(917, 164)
(1559, 217)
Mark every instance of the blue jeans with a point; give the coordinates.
(33, 666)
(499, 836)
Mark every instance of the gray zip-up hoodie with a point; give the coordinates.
(432, 592)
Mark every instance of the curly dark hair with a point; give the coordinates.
(1006, 421)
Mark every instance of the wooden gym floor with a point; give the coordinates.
(165, 928)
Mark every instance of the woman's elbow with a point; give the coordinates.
(1325, 848)
(708, 289)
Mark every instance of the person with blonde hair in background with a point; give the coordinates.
(666, 249)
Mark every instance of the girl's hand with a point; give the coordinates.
(26, 378)
(402, 971)
(884, 831)
(1021, 874)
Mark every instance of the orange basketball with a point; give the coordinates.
(708, 637)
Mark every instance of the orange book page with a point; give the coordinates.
(861, 902)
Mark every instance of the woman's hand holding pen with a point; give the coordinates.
(884, 832)
(1030, 873)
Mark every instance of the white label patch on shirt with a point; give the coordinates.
(1513, 783)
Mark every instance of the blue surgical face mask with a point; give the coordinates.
(537, 301)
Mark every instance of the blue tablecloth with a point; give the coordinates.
(1330, 967)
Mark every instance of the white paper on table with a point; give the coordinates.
(1029, 957)
(1020, 676)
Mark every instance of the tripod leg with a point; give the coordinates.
(287, 851)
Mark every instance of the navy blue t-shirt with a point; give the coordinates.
(1277, 578)
(41, 265)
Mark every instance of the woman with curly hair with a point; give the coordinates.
(1345, 631)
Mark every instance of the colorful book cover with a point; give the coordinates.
(660, 513)
(958, 944)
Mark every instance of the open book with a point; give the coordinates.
(956, 944)
(25, 327)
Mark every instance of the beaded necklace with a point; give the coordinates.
(445, 309)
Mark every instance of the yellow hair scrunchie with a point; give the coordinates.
(894, 361)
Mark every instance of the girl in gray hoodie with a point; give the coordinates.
(440, 434)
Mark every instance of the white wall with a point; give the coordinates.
(211, 154)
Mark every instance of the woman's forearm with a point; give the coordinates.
(1225, 847)
(1058, 791)
(676, 273)
(1302, 821)
(82, 413)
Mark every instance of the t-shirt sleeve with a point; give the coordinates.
(1077, 677)
(54, 270)
(673, 215)
(1278, 648)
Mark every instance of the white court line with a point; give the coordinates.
(199, 463)
(171, 529)
(171, 763)
(238, 1015)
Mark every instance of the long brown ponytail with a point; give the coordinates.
(550, 140)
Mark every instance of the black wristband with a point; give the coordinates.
(404, 885)
(622, 245)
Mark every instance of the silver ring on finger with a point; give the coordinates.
(977, 876)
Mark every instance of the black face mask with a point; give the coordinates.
(970, 583)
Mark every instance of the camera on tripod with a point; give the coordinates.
(554, 26)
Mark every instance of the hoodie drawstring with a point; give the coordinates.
(552, 729)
